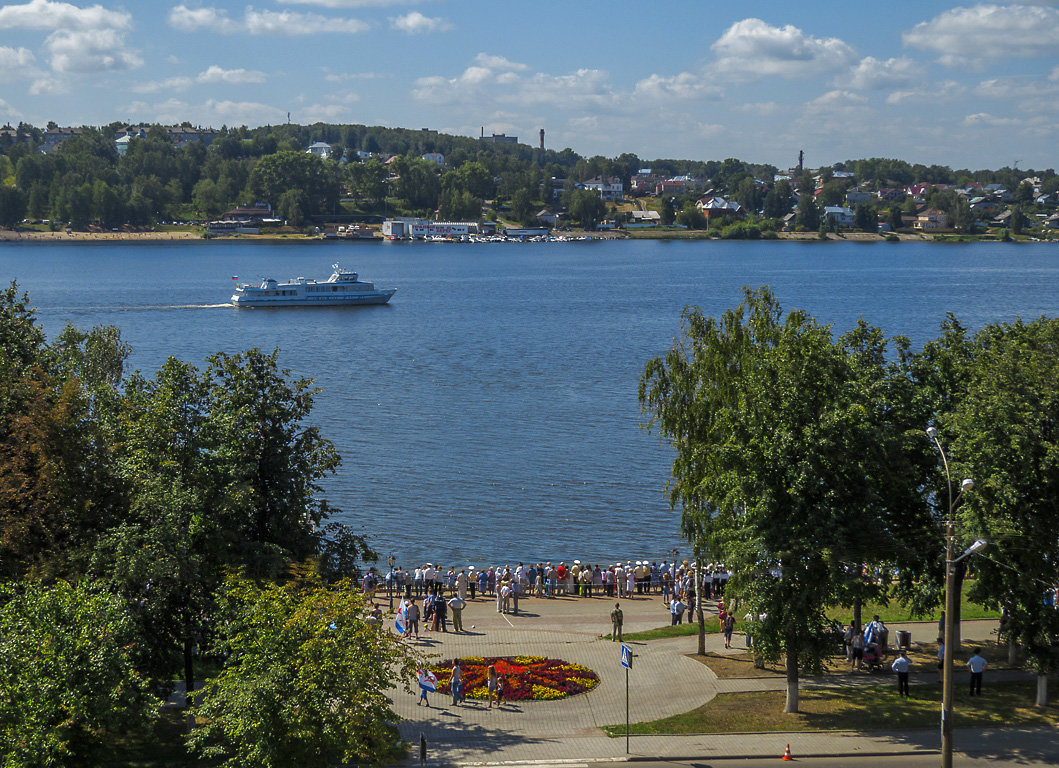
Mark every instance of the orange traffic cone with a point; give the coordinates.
(787, 753)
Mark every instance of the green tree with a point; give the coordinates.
(12, 206)
(586, 207)
(522, 208)
(778, 461)
(300, 171)
(291, 207)
(68, 684)
(692, 217)
(1006, 437)
(894, 219)
(864, 218)
(306, 679)
(808, 212)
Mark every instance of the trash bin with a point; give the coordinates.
(904, 639)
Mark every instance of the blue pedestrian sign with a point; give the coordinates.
(626, 657)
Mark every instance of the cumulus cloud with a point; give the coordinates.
(928, 93)
(216, 74)
(984, 118)
(82, 40)
(871, 74)
(962, 36)
(210, 112)
(341, 77)
(213, 75)
(45, 14)
(95, 50)
(415, 23)
(16, 63)
(840, 98)
(349, 3)
(9, 112)
(585, 86)
(254, 22)
(685, 85)
(753, 48)
(498, 62)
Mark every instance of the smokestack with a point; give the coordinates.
(542, 138)
(483, 131)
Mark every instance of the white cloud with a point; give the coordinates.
(1054, 77)
(90, 50)
(963, 36)
(984, 118)
(709, 130)
(752, 47)
(286, 23)
(875, 74)
(928, 93)
(16, 63)
(498, 62)
(838, 98)
(216, 74)
(45, 14)
(48, 86)
(685, 85)
(210, 112)
(415, 23)
(213, 75)
(82, 40)
(585, 86)
(349, 3)
(9, 113)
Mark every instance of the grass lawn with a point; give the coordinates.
(895, 613)
(680, 630)
(924, 660)
(856, 709)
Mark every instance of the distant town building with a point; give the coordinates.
(498, 138)
(319, 148)
(434, 157)
(609, 188)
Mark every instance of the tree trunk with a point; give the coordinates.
(1013, 652)
(1042, 689)
(189, 670)
(700, 582)
(791, 706)
(858, 607)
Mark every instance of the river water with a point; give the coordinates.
(489, 413)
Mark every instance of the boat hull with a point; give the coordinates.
(366, 299)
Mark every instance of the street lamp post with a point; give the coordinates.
(950, 603)
(389, 582)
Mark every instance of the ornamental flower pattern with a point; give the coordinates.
(524, 678)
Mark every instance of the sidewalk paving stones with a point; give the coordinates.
(663, 682)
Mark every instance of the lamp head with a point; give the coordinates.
(967, 484)
(978, 546)
(932, 433)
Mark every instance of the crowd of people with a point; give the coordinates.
(508, 584)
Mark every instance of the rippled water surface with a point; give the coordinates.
(489, 412)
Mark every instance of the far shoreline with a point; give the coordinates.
(197, 236)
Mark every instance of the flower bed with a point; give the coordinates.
(523, 678)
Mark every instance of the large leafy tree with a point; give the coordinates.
(1006, 436)
(778, 444)
(306, 678)
(68, 682)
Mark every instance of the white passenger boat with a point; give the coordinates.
(341, 289)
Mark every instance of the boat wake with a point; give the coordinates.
(196, 306)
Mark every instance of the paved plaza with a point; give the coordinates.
(663, 681)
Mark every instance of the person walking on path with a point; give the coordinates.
(858, 652)
(412, 615)
(977, 665)
(456, 683)
(728, 626)
(676, 610)
(900, 666)
(456, 605)
(441, 609)
(616, 619)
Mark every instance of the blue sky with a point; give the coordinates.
(974, 85)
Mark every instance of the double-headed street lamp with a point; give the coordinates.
(950, 601)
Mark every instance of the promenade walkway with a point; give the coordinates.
(664, 681)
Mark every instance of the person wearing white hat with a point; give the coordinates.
(619, 579)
